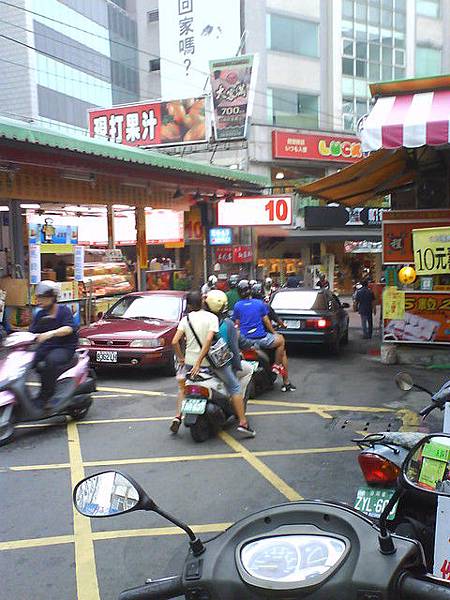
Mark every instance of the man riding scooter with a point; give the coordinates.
(57, 339)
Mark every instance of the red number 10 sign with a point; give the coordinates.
(259, 210)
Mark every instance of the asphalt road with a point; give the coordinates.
(303, 449)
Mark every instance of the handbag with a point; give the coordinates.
(219, 354)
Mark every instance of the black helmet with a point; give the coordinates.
(233, 281)
(47, 289)
(243, 288)
(257, 291)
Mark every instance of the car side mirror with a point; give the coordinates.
(427, 467)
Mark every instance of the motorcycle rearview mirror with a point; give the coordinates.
(427, 466)
(112, 493)
(404, 381)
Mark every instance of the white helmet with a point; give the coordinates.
(47, 289)
(216, 301)
(268, 281)
(212, 280)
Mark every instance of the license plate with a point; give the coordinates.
(293, 324)
(372, 501)
(194, 406)
(106, 356)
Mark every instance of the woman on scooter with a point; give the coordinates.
(57, 338)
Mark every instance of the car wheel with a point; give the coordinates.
(169, 369)
(334, 346)
(345, 337)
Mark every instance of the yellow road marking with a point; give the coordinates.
(157, 531)
(262, 469)
(86, 574)
(159, 459)
(40, 467)
(102, 388)
(102, 396)
(305, 451)
(322, 407)
(410, 419)
(36, 542)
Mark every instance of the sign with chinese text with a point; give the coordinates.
(151, 123)
(432, 251)
(232, 83)
(47, 230)
(224, 254)
(195, 32)
(35, 263)
(426, 320)
(164, 226)
(193, 228)
(242, 254)
(259, 210)
(220, 236)
(393, 303)
(79, 263)
(324, 217)
(397, 229)
(302, 146)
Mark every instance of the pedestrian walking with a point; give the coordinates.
(365, 305)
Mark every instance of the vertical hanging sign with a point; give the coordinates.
(79, 263)
(35, 263)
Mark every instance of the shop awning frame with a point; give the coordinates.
(14, 131)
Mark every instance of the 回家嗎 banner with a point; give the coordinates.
(232, 95)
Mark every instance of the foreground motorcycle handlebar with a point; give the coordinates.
(160, 589)
(412, 588)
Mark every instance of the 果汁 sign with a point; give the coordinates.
(302, 146)
(259, 210)
(151, 123)
(432, 251)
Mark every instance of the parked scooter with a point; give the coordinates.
(207, 407)
(304, 549)
(381, 459)
(73, 390)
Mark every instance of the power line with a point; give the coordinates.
(130, 47)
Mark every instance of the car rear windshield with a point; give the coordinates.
(301, 300)
(165, 308)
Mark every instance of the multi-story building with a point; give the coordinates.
(61, 57)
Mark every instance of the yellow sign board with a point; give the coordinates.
(393, 303)
(432, 250)
(57, 248)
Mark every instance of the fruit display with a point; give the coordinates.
(183, 121)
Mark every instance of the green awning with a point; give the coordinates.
(14, 130)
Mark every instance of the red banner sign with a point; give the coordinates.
(224, 254)
(242, 254)
(151, 123)
(426, 319)
(301, 146)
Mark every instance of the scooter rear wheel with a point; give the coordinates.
(7, 430)
(200, 431)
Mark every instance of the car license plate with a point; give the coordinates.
(194, 406)
(107, 356)
(372, 501)
(293, 324)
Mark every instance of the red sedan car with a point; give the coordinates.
(137, 331)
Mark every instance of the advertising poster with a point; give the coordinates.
(195, 32)
(79, 263)
(432, 251)
(35, 263)
(152, 123)
(333, 148)
(426, 320)
(50, 232)
(398, 227)
(231, 84)
(393, 303)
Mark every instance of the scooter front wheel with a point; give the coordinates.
(79, 413)
(6, 424)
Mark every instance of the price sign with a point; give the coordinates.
(260, 210)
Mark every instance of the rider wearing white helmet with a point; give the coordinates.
(216, 302)
(57, 336)
(209, 285)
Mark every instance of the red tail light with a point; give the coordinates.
(377, 469)
(196, 390)
(250, 355)
(318, 323)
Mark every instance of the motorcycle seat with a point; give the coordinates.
(404, 439)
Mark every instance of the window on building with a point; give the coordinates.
(294, 109)
(294, 36)
(429, 8)
(428, 61)
(154, 65)
(152, 16)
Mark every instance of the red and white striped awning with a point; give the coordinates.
(409, 121)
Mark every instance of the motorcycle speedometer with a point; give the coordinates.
(291, 561)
